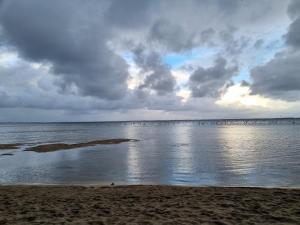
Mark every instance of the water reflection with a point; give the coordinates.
(239, 151)
(133, 162)
(183, 163)
(187, 153)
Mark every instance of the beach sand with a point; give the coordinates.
(145, 205)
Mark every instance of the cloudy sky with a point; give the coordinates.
(77, 60)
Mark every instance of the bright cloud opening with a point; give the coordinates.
(240, 96)
(184, 94)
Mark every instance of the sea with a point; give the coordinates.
(251, 152)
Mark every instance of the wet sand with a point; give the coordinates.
(147, 205)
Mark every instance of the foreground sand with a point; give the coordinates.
(147, 205)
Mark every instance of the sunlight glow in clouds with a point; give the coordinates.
(8, 59)
(133, 79)
(184, 94)
(181, 76)
(240, 96)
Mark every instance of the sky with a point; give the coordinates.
(100, 60)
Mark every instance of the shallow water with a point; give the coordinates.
(183, 153)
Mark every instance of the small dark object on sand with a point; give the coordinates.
(112, 184)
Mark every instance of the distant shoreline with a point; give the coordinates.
(148, 204)
(141, 121)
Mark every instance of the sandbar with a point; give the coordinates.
(63, 146)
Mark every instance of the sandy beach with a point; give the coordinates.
(147, 205)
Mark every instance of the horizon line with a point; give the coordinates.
(157, 120)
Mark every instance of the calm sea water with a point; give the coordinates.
(183, 153)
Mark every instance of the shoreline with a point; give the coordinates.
(120, 184)
(147, 204)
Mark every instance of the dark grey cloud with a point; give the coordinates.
(25, 87)
(237, 46)
(180, 26)
(258, 43)
(293, 35)
(207, 35)
(160, 80)
(228, 6)
(159, 77)
(233, 45)
(72, 39)
(279, 78)
(129, 13)
(245, 83)
(209, 82)
(171, 35)
(227, 35)
(294, 8)
(83, 23)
